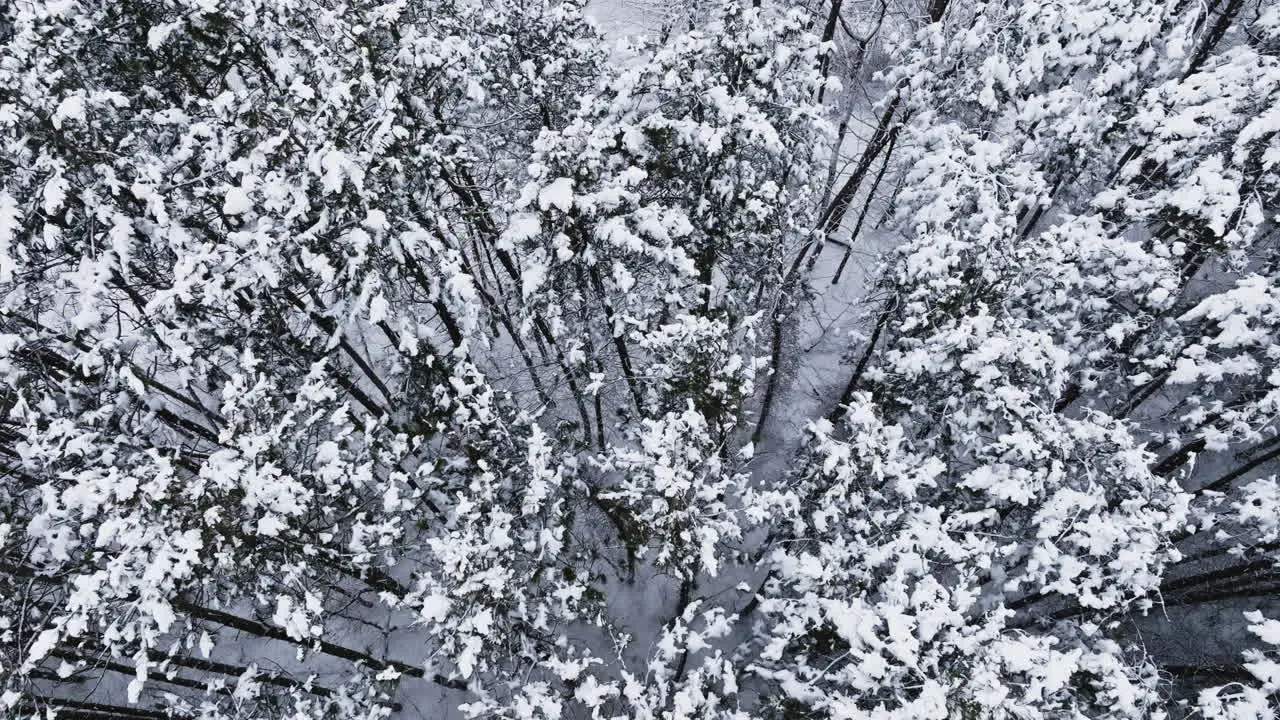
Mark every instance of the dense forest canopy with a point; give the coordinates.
(447, 358)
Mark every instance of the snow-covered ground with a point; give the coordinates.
(622, 18)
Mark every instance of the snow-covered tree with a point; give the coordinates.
(367, 359)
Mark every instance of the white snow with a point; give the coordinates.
(71, 108)
(558, 195)
(236, 202)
